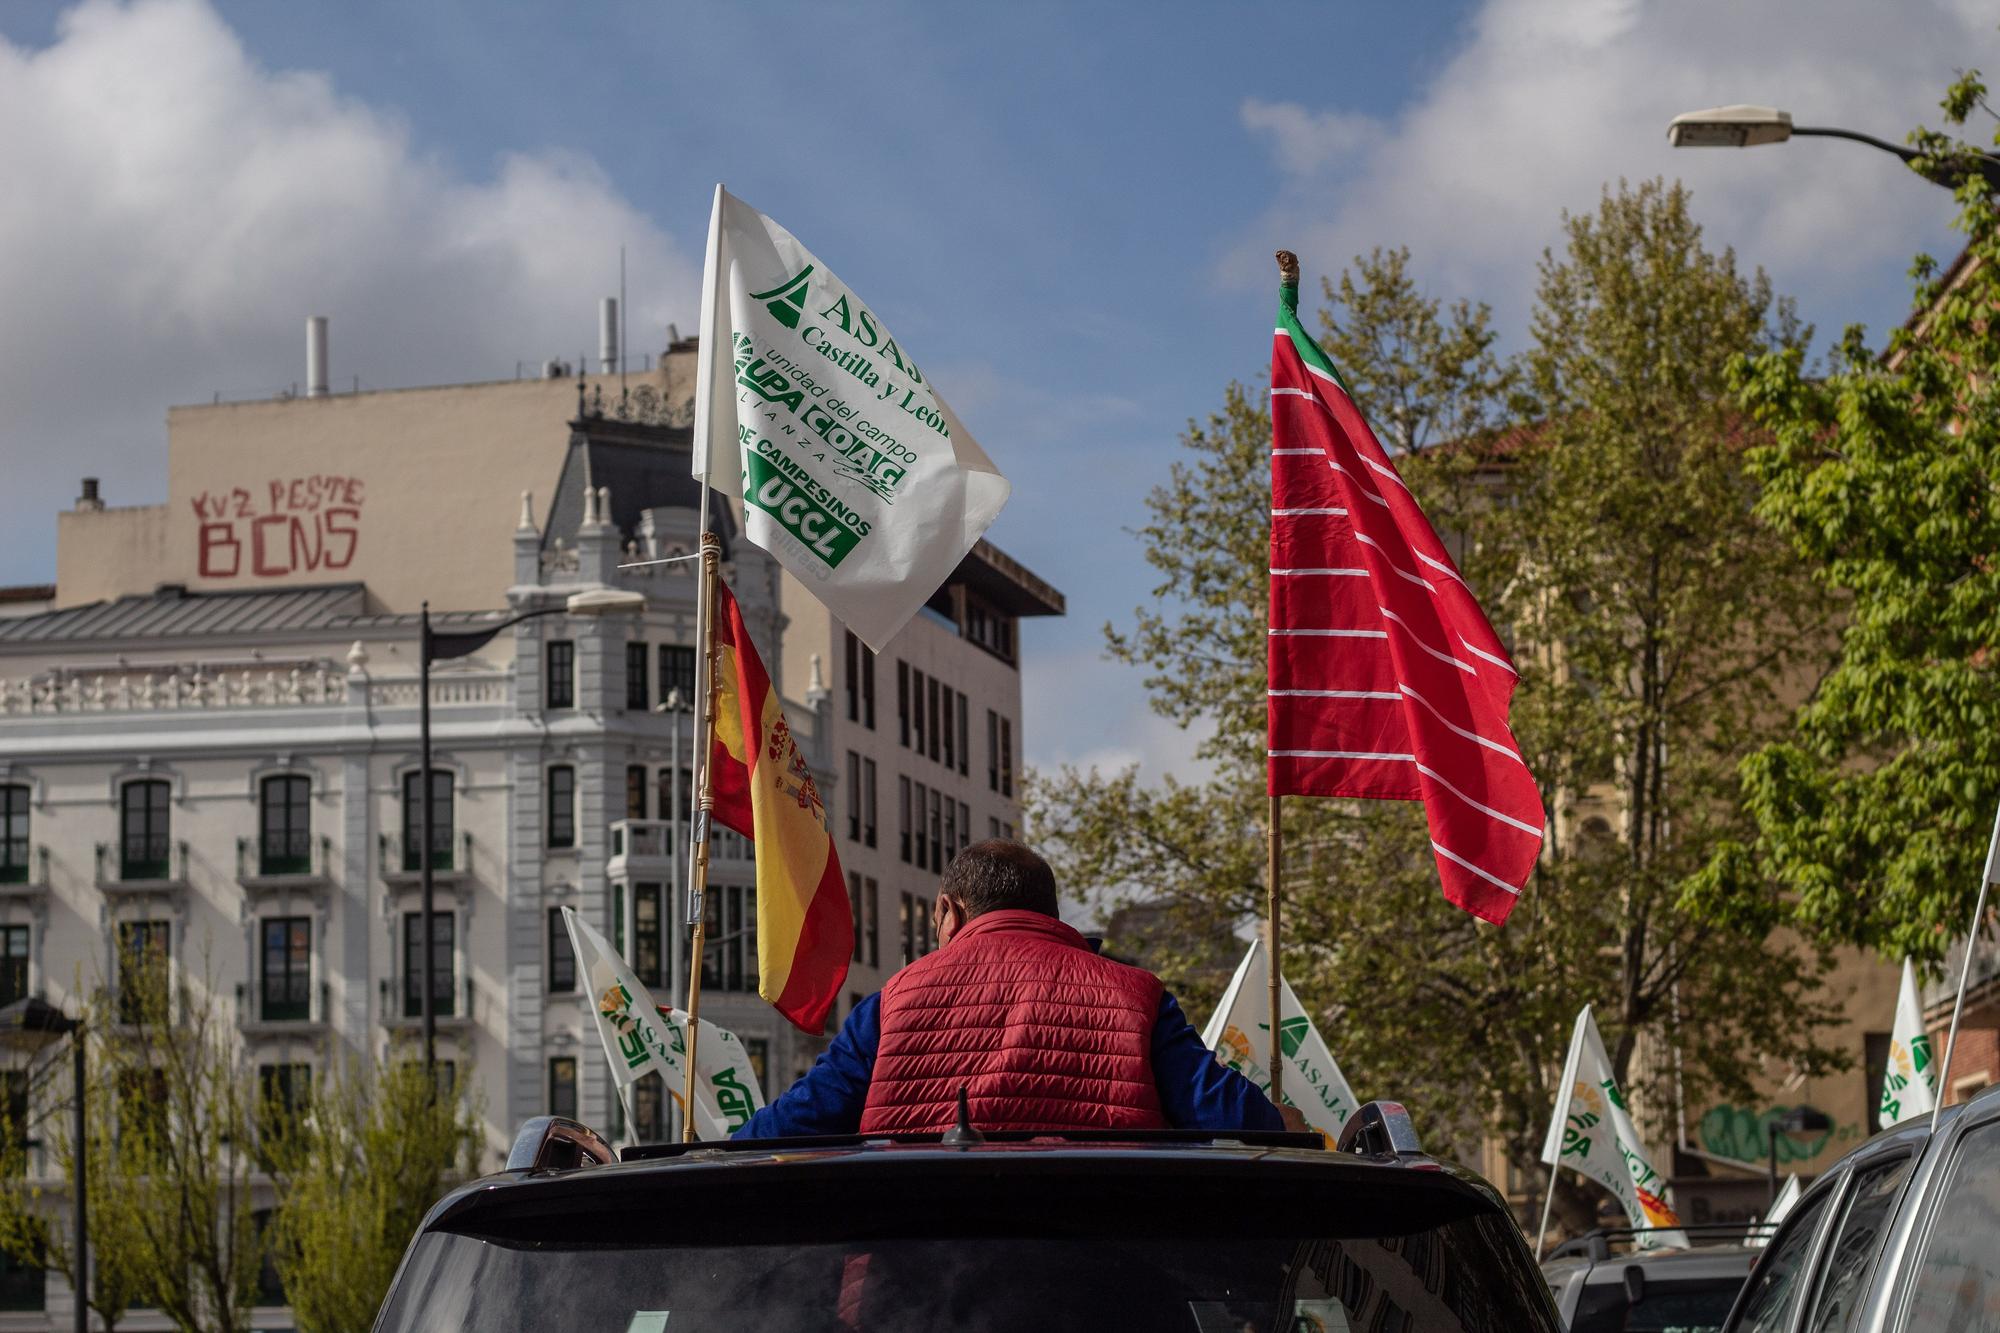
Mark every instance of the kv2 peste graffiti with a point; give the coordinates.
(288, 525)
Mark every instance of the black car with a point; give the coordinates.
(1152, 1231)
(1602, 1284)
(1902, 1235)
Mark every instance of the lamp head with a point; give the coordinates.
(606, 602)
(1730, 127)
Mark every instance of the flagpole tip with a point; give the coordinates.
(1288, 268)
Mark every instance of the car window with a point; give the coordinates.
(1956, 1276)
(1667, 1305)
(1775, 1283)
(1851, 1256)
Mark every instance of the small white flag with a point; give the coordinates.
(641, 1037)
(1780, 1207)
(1592, 1133)
(1239, 1032)
(853, 471)
(1909, 1079)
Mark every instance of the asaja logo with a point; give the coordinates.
(1292, 1034)
(787, 300)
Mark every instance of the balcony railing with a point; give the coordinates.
(23, 864)
(652, 840)
(142, 859)
(450, 855)
(288, 855)
(202, 687)
(285, 999)
(402, 999)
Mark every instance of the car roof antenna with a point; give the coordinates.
(962, 1133)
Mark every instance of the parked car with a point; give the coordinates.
(1602, 1284)
(1902, 1235)
(1149, 1231)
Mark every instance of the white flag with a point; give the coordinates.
(1909, 1080)
(1239, 1033)
(641, 1037)
(1780, 1208)
(1592, 1133)
(853, 471)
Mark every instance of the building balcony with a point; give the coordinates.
(282, 862)
(401, 863)
(643, 849)
(24, 870)
(400, 1006)
(283, 1008)
(137, 866)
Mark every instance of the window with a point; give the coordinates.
(853, 797)
(285, 1090)
(950, 831)
(992, 828)
(562, 958)
(144, 833)
(917, 710)
(1774, 1291)
(649, 1109)
(143, 970)
(909, 924)
(854, 900)
(992, 750)
(964, 825)
(923, 926)
(14, 1102)
(937, 831)
(903, 703)
(1006, 756)
(677, 673)
(923, 858)
(867, 687)
(949, 729)
(638, 688)
(13, 964)
(413, 820)
(853, 679)
(285, 844)
(646, 934)
(561, 682)
(931, 718)
(759, 1051)
(903, 805)
(731, 913)
(868, 802)
(285, 994)
(1953, 1279)
(635, 791)
(443, 989)
(562, 1086)
(562, 806)
(871, 894)
(23, 1287)
(1837, 1306)
(13, 834)
(964, 736)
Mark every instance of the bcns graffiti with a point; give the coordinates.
(288, 525)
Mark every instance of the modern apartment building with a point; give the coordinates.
(209, 745)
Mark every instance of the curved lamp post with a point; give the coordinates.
(32, 1024)
(462, 643)
(1750, 126)
(1798, 1120)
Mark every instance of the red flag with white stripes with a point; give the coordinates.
(1386, 681)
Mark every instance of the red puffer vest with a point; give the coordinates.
(1042, 1033)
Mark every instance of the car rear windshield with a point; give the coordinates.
(1104, 1260)
(1671, 1305)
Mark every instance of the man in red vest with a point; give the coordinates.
(1020, 1011)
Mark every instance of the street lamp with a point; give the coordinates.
(435, 647)
(1798, 1120)
(1749, 126)
(31, 1024)
(675, 705)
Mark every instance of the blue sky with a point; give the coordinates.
(1067, 211)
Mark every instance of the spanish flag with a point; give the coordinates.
(763, 790)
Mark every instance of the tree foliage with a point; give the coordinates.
(1872, 814)
(1596, 496)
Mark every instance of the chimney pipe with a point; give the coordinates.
(316, 356)
(89, 500)
(607, 334)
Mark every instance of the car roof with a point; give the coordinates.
(1699, 1262)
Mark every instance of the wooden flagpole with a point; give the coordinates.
(697, 911)
(1274, 879)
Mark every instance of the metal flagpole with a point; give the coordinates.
(1965, 968)
(711, 555)
(1563, 1090)
(1273, 936)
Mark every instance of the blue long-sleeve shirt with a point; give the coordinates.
(1196, 1092)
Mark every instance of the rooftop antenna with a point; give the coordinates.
(624, 322)
(1965, 968)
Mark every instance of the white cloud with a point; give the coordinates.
(175, 211)
(1548, 100)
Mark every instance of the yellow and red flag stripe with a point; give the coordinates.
(764, 790)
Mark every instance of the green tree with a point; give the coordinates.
(1872, 813)
(1609, 534)
(355, 1174)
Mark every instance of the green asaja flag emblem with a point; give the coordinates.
(1292, 1034)
(787, 300)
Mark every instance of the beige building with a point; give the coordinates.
(208, 737)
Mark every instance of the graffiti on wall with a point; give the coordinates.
(1740, 1132)
(287, 525)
